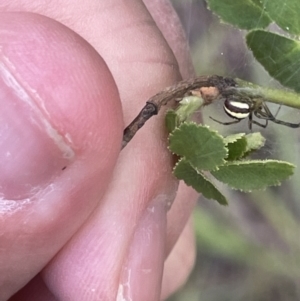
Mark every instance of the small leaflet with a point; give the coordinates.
(237, 145)
(184, 171)
(201, 147)
(254, 175)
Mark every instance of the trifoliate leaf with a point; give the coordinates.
(202, 147)
(237, 145)
(285, 13)
(184, 171)
(278, 55)
(254, 175)
(245, 14)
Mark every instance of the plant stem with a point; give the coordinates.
(209, 89)
(282, 97)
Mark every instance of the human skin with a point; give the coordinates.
(79, 219)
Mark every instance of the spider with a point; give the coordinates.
(241, 109)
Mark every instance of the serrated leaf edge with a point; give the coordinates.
(199, 126)
(206, 178)
(239, 136)
(244, 162)
(241, 162)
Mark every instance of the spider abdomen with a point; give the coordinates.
(236, 109)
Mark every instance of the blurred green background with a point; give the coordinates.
(249, 250)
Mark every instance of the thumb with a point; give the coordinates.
(61, 129)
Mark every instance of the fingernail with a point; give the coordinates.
(32, 152)
(141, 275)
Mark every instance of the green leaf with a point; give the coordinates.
(237, 145)
(188, 106)
(255, 141)
(233, 138)
(279, 55)
(286, 13)
(254, 175)
(184, 171)
(245, 14)
(258, 3)
(241, 145)
(171, 120)
(203, 148)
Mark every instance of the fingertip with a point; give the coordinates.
(63, 132)
(67, 79)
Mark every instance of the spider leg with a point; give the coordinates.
(269, 116)
(225, 123)
(275, 115)
(260, 124)
(251, 121)
(291, 125)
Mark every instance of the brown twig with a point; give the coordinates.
(178, 91)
